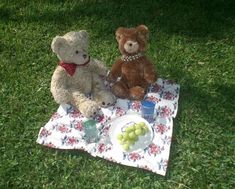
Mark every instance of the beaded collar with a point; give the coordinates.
(132, 57)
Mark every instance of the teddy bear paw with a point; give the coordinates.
(137, 93)
(106, 99)
(89, 108)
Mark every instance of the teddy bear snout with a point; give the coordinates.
(131, 46)
(84, 56)
(130, 43)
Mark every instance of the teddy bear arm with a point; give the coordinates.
(149, 73)
(87, 107)
(59, 86)
(78, 97)
(98, 67)
(116, 71)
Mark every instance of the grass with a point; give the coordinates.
(191, 42)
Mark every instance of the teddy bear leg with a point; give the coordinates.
(100, 94)
(86, 106)
(137, 93)
(120, 90)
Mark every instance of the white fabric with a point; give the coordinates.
(65, 131)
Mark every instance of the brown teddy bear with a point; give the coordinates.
(133, 72)
(77, 75)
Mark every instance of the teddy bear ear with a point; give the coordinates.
(84, 34)
(58, 43)
(118, 33)
(84, 38)
(143, 31)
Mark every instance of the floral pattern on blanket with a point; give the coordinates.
(65, 129)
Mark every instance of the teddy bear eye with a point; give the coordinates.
(76, 52)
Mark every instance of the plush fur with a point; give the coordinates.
(73, 89)
(133, 72)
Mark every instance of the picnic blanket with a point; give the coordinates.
(64, 130)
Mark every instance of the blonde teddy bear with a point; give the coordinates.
(77, 75)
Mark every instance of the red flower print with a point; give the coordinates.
(134, 156)
(168, 95)
(154, 149)
(105, 131)
(69, 140)
(101, 118)
(76, 114)
(155, 88)
(165, 111)
(63, 129)
(101, 148)
(72, 141)
(50, 145)
(136, 105)
(78, 126)
(55, 116)
(160, 128)
(44, 133)
(120, 111)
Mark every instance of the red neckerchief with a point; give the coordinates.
(70, 68)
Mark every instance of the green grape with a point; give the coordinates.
(135, 126)
(146, 129)
(135, 139)
(143, 127)
(130, 142)
(132, 127)
(121, 142)
(126, 136)
(143, 131)
(124, 140)
(126, 147)
(119, 136)
(132, 135)
(128, 129)
(138, 132)
(142, 124)
(138, 126)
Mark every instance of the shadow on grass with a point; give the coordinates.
(191, 18)
(205, 118)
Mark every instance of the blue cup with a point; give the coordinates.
(147, 110)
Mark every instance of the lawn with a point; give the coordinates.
(191, 42)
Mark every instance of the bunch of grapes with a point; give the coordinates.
(131, 135)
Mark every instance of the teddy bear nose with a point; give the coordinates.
(84, 56)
